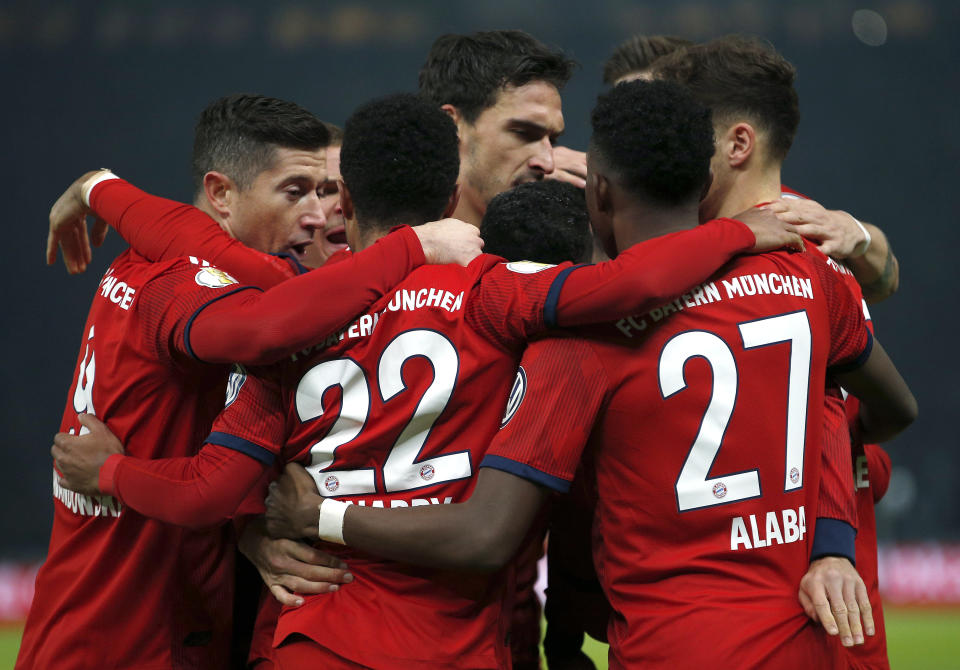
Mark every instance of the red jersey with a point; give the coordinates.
(703, 419)
(398, 410)
(118, 589)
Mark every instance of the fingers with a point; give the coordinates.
(284, 597)
(99, 232)
(794, 241)
(307, 555)
(853, 612)
(91, 422)
(807, 604)
(51, 248)
(866, 609)
(839, 612)
(309, 586)
(569, 177)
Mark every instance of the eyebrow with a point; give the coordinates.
(532, 126)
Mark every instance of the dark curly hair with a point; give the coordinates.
(400, 159)
(238, 134)
(469, 71)
(637, 53)
(737, 77)
(656, 138)
(543, 221)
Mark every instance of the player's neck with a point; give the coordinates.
(203, 204)
(641, 222)
(749, 189)
(470, 207)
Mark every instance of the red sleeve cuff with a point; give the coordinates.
(106, 480)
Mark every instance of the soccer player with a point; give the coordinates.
(700, 525)
(148, 351)
(502, 89)
(633, 57)
(397, 410)
(332, 238)
(749, 87)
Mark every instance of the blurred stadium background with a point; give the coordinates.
(120, 84)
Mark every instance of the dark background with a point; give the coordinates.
(120, 84)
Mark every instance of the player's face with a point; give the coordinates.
(282, 208)
(332, 237)
(510, 143)
(720, 185)
(600, 222)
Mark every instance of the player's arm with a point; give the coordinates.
(887, 406)
(652, 272)
(482, 533)
(863, 247)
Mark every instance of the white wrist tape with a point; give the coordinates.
(862, 247)
(93, 181)
(330, 525)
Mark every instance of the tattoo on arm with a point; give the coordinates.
(882, 286)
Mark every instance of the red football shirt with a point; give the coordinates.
(398, 411)
(118, 589)
(704, 419)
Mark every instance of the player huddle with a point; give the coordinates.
(405, 422)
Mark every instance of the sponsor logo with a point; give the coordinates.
(214, 278)
(427, 472)
(331, 483)
(719, 490)
(517, 393)
(527, 267)
(234, 383)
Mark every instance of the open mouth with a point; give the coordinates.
(300, 249)
(338, 236)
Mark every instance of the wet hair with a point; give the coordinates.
(238, 135)
(469, 71)
(637, 53)
(740, 78)
(400, 160)
(543, 221)
(656, 138)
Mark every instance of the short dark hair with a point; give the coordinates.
(336, 134)
(238, 134)
(469, 71)
(656, 138)
(638, 53)
(400, 160)
(738, 76)
(543, 221)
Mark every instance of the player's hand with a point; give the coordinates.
(449, 241)
(293, 505)
(289, 567)
(835, 232)
(68, 228)
(770, 232)
(79, 457)
(834, 594)
(569, 165)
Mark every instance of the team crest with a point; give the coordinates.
(427, 472)
(235, 382)
(719, 490)
(214, 278)
(331, 483)
(517, 393)
(527, 267)
(794, 475)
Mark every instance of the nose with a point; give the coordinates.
(542, 160)
(314, 218)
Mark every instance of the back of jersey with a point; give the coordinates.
(118, 589)
(397, 411)
(708, 463)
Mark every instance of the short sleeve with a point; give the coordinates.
(253, 421)
(850, 339)
(556, 399)
(168, 303)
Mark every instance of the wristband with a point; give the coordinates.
(88, 185)
(330, 526)
(861, 247)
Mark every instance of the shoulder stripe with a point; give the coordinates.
(254, 451)
(526, 472)
(553, 295)
(186, 329)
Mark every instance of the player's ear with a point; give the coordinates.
(346, 200)
(741, 142)
(604, 195)
(219, 190)
(452, 203)
(454, 114)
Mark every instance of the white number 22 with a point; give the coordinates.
(401, 470)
